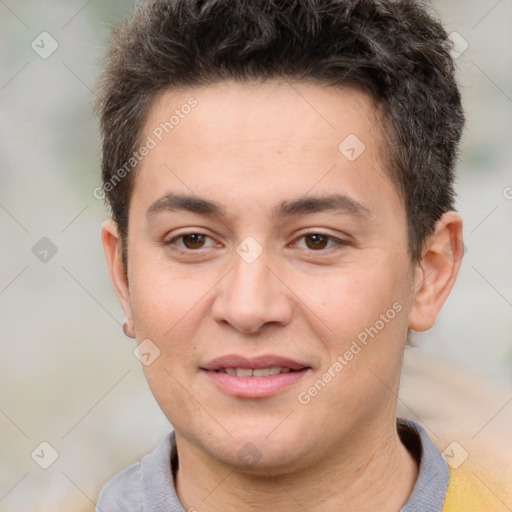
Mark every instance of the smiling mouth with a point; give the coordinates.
(256, 372)
(260, 377)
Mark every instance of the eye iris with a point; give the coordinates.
(316, 241)
(193, 241)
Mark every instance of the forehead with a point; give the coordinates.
(263, 139)
(260, 112)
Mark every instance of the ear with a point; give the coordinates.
(436, 271)
(112, 245)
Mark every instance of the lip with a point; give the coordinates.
(262, 361)
(254, 387)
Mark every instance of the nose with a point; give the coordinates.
(251, 296)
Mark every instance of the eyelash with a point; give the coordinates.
(337, 241)
(330, 238)
(183, 235)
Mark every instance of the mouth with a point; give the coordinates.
(256, 372)
(255, 377)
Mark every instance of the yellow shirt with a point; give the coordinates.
(476, 490)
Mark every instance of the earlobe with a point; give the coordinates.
(112, 246)
(436, 271)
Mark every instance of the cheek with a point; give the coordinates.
(166, 309)
(361, 319)
(163, 300)
(357, 302)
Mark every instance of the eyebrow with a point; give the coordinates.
(339, 203)
(172, 202)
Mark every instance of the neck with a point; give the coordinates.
(367, 473)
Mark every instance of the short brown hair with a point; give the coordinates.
(395, 50)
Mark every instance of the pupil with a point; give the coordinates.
(316, 241)
(194, 241)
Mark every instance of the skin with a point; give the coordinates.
(250, 147)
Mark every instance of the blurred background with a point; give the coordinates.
(68, 376)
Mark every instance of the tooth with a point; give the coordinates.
(243, 372)
(285, 370)
(261, 372)
(275, 370)
(231, 371)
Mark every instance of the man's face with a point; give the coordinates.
(289, 255)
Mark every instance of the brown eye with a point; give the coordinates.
(316, 241)
(193, 241)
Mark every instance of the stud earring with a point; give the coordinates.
(126, 332)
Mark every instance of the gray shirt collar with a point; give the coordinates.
(148, 486)
(429, 491)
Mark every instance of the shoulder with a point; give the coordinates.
(146, 486)
(475, 488)
(123, 492)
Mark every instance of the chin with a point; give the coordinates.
(260, 449)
